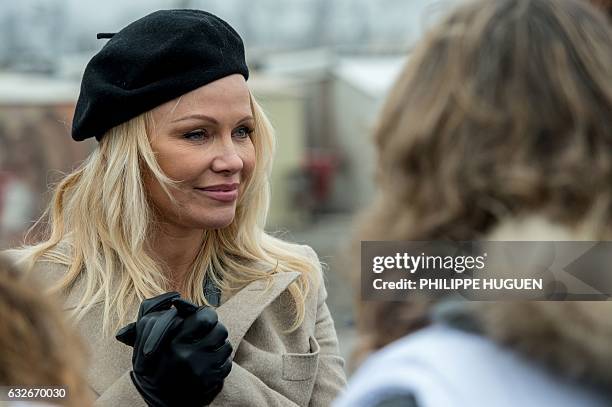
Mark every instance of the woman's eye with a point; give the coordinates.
(196, 135)
(243, 132)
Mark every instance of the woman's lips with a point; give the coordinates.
(222, 196)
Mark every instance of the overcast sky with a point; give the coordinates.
(46, 28)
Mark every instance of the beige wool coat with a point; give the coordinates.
(270, 368)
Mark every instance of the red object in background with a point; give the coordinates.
(321, 167)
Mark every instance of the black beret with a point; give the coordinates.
(153, 60)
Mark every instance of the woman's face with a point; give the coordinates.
(203, 140)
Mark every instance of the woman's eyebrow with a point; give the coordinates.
(197, 116)
(208, 118)
(246, 119)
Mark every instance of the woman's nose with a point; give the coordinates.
(227, 159)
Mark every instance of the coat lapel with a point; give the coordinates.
(240, 311)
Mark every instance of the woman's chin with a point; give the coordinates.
(207, 217)
(214, 223)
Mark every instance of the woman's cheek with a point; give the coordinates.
(248, 159)
(184, 168)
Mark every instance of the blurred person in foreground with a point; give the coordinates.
(37, 347)
(499, 128)
(164, 224)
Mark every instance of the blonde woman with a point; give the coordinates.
(171, 203)
(499, 128)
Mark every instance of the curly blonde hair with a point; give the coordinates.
(503, 109)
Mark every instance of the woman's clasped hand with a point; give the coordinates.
(181, 352)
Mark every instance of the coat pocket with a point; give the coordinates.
(302, 366)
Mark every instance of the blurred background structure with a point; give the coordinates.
(320, 68)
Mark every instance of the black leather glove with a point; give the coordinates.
(181, 352)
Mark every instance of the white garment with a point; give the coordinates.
(445, 367)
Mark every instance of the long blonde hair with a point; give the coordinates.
(99, 219)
